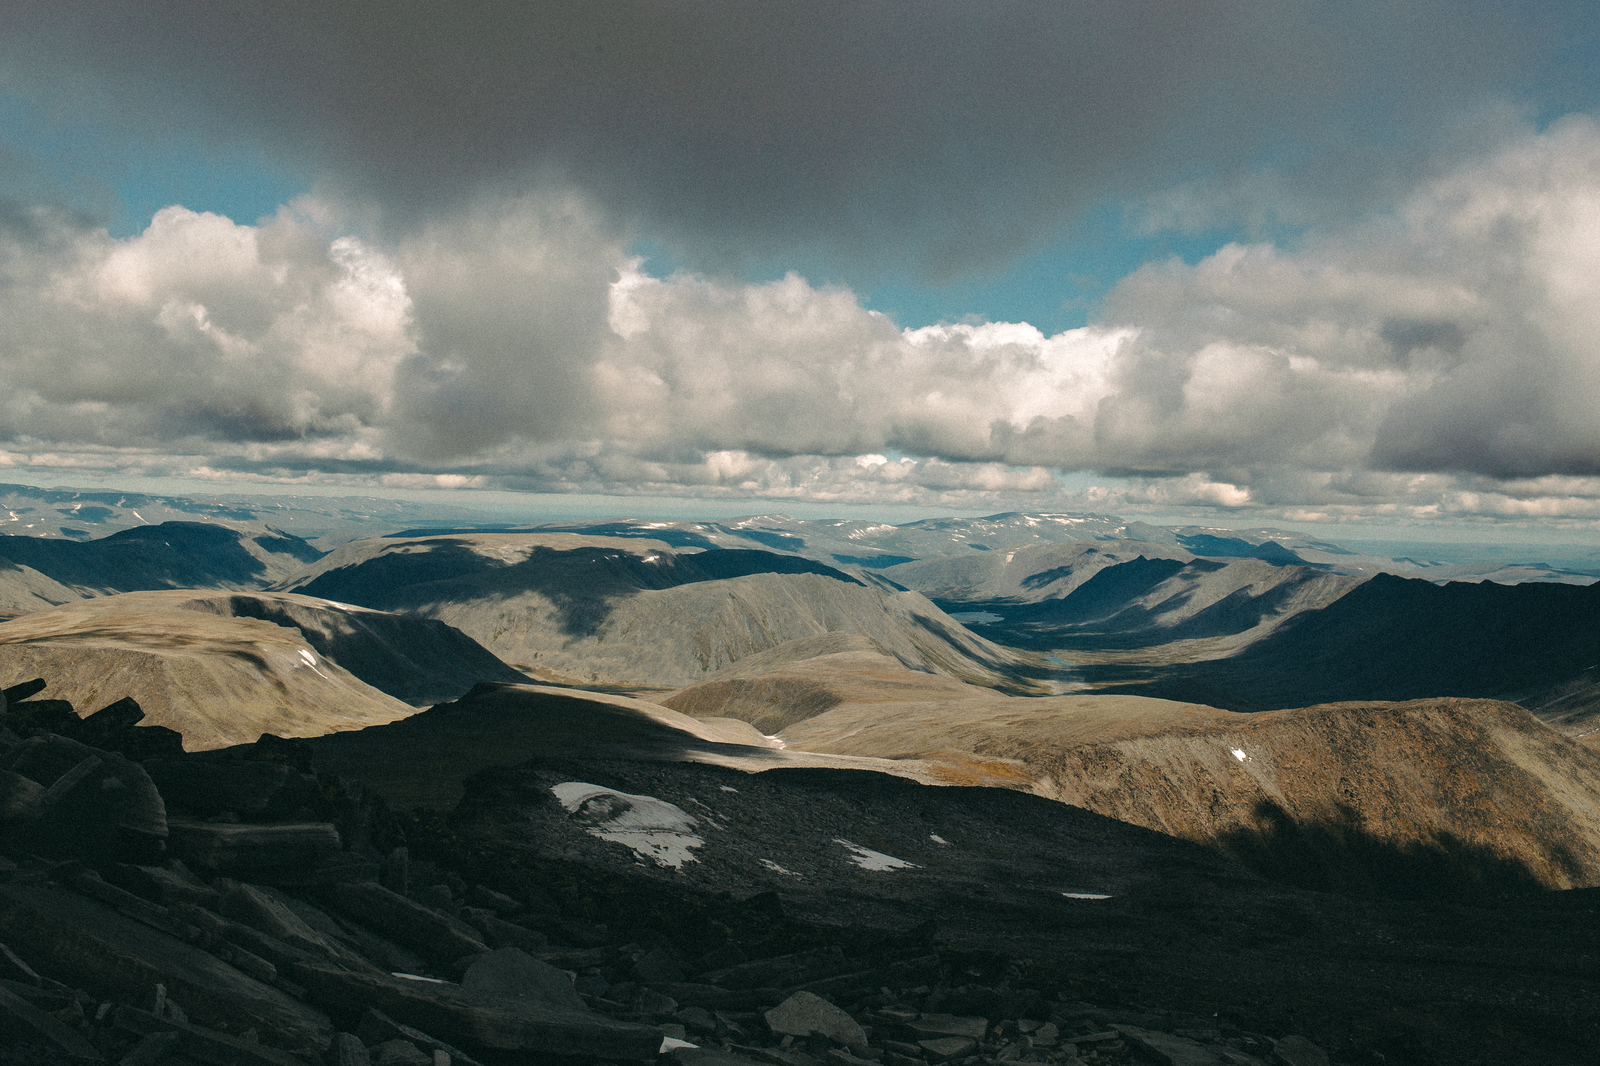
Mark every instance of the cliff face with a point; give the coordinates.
(600, 610)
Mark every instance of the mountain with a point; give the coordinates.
(635, 612)
(224, 668)
(1121, 594)
(1394, 638)
(83, 514)
(1468, 791)
(165, 556)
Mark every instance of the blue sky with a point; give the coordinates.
(1329, 265)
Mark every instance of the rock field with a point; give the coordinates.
(238, 906)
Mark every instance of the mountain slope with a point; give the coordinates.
(1394, 638)
(614, 611)
(1429, 794)
(224, 668)
(165, 556)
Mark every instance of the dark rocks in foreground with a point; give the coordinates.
(613, 911)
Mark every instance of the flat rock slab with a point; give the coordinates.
(479, 1020)
(805, 1013)
(202, 1044)
(22, 1021)
(512, 972)
(245, 850)
(93, 947)
(1170, 1050)
(950, 1025)
(423, 929)
(1296, 1050)
(945, 1048)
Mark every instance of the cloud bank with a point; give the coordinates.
(1438, 359)
(939, 136)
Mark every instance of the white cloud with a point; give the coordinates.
(1437, 361)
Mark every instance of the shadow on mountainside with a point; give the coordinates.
(1340, 855)
(582, 584)
(1395, 638)
(166, 556)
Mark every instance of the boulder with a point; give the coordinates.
(253, 851)
(945, 1048)
(377, 1027)
(512, 972)
(480, 1020)
(108, 722)
(166, 884)
(208, 784)
(21, 1021)
(97, 805)
(91, 946)
(200, 1043)
(805, 1013)
(54, 716)
(1294, 1050)
(935, 1025)
(436, 936)
(347, 1050)
(255, 908)
(399, 1053)
(19, 797)
(20, 692)
(1170, 1050)
(498, 933)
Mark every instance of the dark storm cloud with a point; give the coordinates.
(946, 133)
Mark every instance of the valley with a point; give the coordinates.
(1242, 774)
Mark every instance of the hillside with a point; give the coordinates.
(172, 555)
(635, 612)
(1394, 638)
(224, 668)
(1366, 797)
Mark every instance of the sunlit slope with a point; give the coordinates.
(602, 610)
(224, 668)
(1464, 789)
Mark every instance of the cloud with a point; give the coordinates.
(941, 135)
(1458, 335)
(1438, 360)
(199, 329)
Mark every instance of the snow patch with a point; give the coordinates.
(1238, 753)
(775, 868)
(937, 839)
(868, 859)
(653, 828)
(1084, 895)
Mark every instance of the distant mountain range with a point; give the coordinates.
(1239, 619)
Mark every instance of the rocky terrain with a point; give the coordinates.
(636, 612)
(963, 792)
(637, 899)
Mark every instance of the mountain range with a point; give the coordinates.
(1278, 719)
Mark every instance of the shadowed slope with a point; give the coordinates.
(425, 759)
(631, 612)
(1394, 638)
(166, 556)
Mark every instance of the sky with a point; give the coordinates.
(1327, 265)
